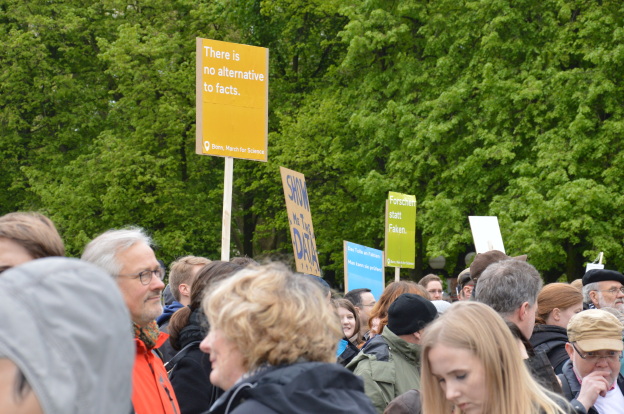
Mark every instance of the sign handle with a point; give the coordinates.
(397, 274)
(228, 174)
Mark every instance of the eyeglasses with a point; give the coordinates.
(595, 357)
(370, 305)
(614, 290)
(146, 276)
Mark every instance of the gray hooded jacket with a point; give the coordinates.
(65, 325)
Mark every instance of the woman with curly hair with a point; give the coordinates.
(272, 344)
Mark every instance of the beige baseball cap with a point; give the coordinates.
(594, 330)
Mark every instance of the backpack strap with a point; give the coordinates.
(171, 364)
(158, 353)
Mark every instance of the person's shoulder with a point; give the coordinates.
(406, 403)
(620, 382)
(377, 347)
(253, 407)
(568, 407)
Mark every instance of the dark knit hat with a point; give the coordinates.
(483, 260)
(410, 313)
(602, 275)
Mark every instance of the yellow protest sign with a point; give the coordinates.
(232, 83)
(300, 220)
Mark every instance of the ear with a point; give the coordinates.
(417, 336)
(556, 314)
(523, 311)
(569, 349)
(184, 290)
(593, 296)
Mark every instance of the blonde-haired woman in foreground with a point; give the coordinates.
(272, 344)
(471, 364)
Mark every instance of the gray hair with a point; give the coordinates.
(589, 288)
(506, 285)
(102, 251)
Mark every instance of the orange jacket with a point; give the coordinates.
(152, 392)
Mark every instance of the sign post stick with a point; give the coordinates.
(397, 274)
(228, 174)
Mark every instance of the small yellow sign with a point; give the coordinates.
(232, 82)
(300, 220)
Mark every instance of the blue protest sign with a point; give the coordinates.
(363, 268)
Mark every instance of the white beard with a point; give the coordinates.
(617, 303)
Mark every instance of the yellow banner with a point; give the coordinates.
(232, 83)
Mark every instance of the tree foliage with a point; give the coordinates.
(483, 107)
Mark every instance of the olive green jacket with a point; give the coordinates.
(389, 366)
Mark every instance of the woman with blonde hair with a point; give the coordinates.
(556, 304)
(471, 363)
(379, 315)
(272, 344)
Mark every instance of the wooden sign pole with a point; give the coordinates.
(228, 174)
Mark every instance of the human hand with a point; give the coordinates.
(593, 385)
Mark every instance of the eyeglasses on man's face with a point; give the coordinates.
(146, 276)
(614, 290)
(594, 357)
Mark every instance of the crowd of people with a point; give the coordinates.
(91, 335)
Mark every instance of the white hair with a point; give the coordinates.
(102, 251)
(589, 288)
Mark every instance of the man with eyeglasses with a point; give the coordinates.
(364, 301)
(591, 379)
(603, 288)
(433, 286)
(127, 255)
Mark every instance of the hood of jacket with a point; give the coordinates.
(548, 333)
(410, 351)
(550, 339)
(168, 311)
(67, 328)
(306, 387)
(195, 330)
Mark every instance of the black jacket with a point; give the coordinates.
(191, 376)
(571, 387)
(347, 355)
(305, 387)
(551, 339)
